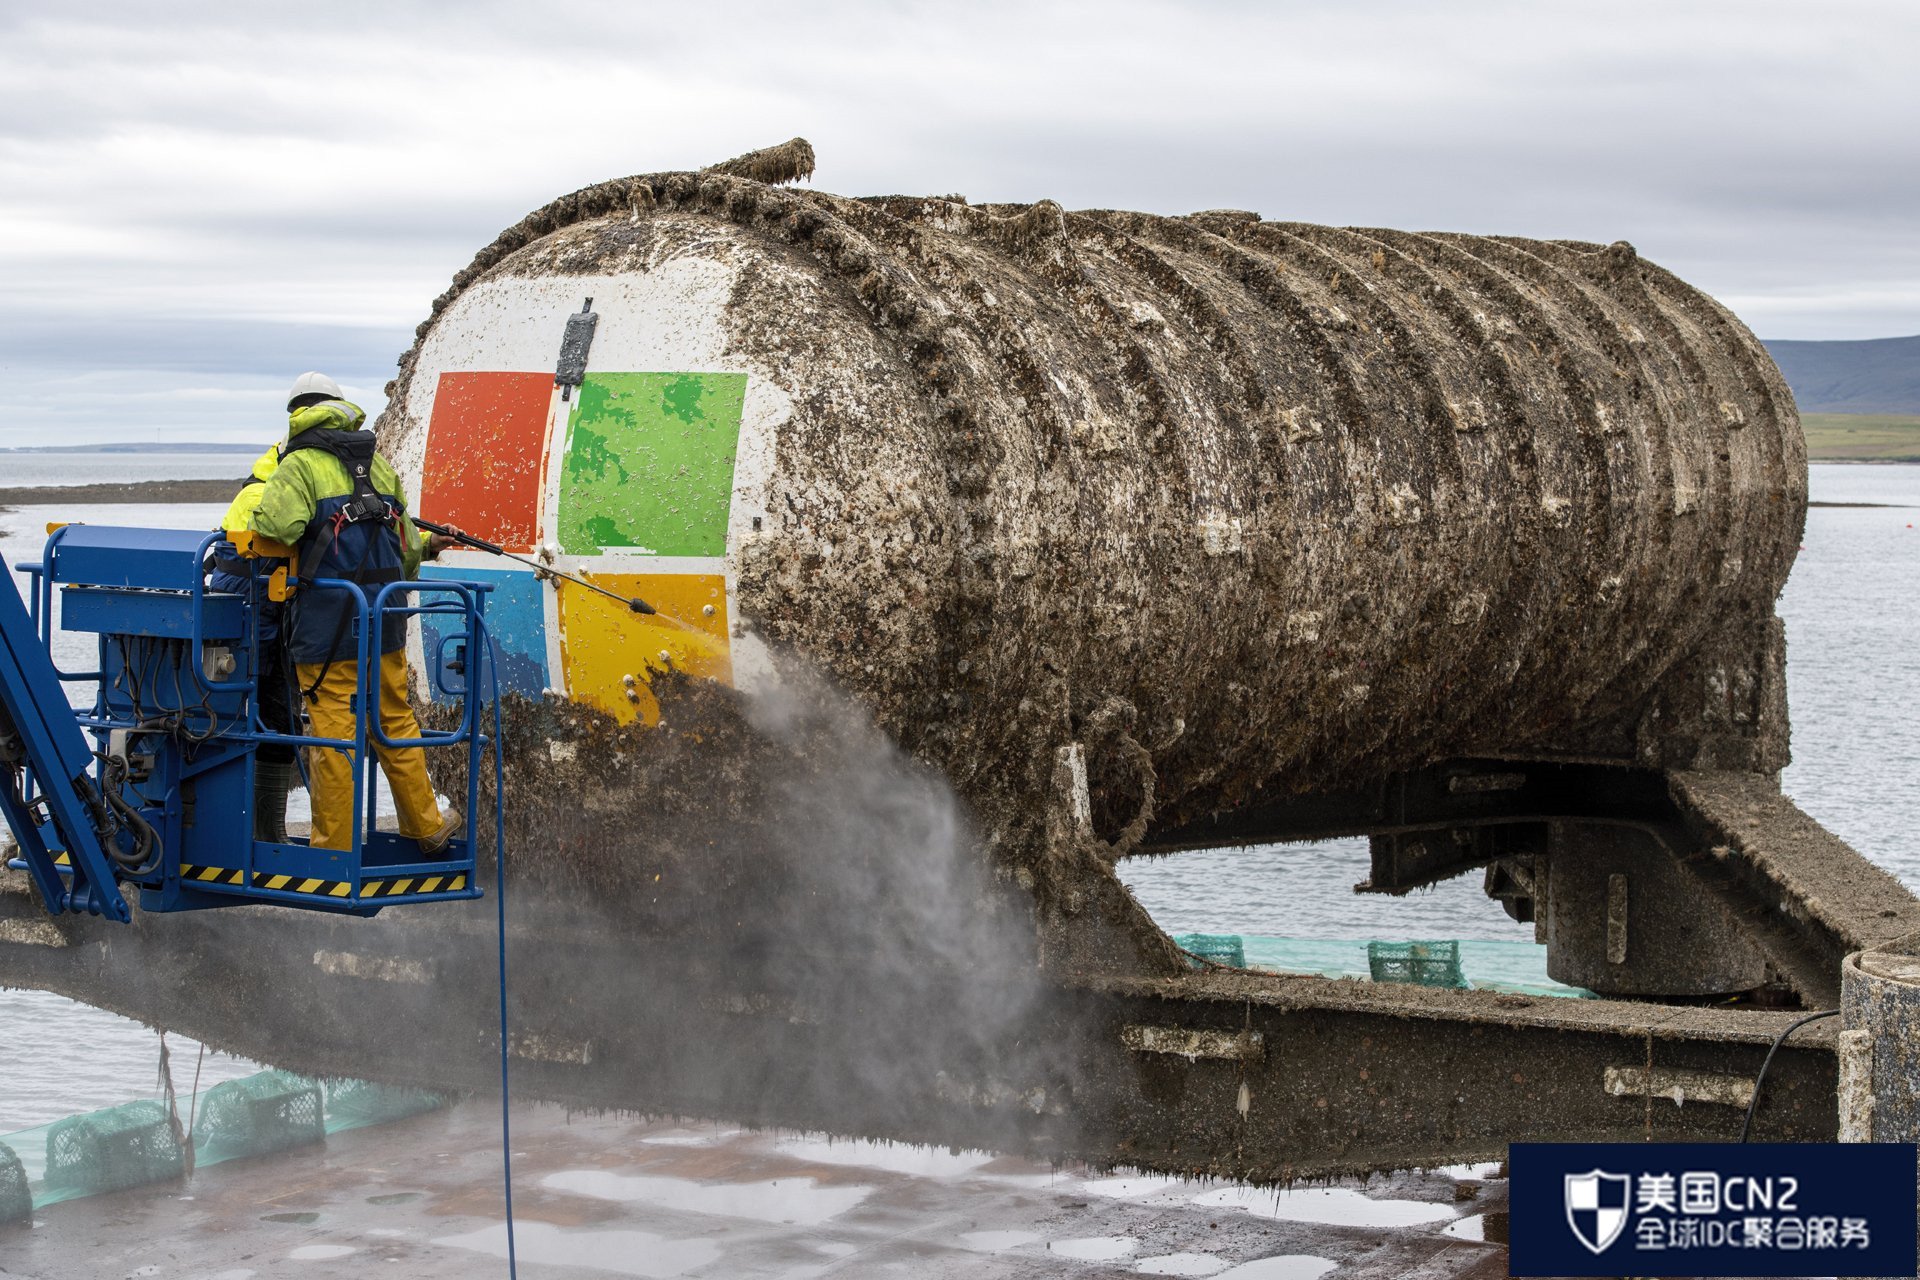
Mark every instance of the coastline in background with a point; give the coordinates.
(209, 471)
(1862, 437)
(142, 493)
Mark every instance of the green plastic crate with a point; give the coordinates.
(1424, 964)
(1221, 948)
(124, 1146)
(16, 1198)
(352, 1104)
(265, 1112)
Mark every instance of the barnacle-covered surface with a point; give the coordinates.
(1236, 504)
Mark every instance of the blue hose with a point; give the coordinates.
(485, 642)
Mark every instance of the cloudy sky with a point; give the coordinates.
(199, 201)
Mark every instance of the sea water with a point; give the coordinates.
(1852, 611)
(28, 470)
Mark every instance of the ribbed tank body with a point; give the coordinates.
(1297, 506)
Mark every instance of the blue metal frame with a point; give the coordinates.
(73, 873)
(143, 592)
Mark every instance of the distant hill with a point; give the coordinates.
(1878, 375)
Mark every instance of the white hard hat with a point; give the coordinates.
(313, 384)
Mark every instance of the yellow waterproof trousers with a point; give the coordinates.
(331, 773)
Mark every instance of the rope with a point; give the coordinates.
(182, 1140)
(484, 640)
(193, 1106)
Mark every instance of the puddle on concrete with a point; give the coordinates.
(302, 1219)
(1126, 1188)
(1095, 1248)
(1026, 1181)
(1335, 1206)
(1286, 1266)
(396, 1197)
(1468, 1170)
(690, 1137)
(1469, 1228)
(320, 1252)
(918, 1162)
(997, 1241)
(625, 1253)
(1180, 1264)
(799, 1201)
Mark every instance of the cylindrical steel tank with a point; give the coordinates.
(1276, 505)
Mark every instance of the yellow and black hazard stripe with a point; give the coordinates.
(315, 887)
(413, 884)
(213, 875)
(304, 884)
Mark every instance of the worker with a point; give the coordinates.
(338, 504)
(273, 768)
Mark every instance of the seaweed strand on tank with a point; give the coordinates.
(790, 161)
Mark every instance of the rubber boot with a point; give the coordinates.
(272, 780)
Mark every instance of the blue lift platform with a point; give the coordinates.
(144, 781)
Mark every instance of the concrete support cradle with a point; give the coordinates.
(1879, 1048)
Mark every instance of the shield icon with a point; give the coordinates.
(1597, 1207)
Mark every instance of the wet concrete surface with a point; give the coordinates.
(606, 1196)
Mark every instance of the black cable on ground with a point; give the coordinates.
(1746, 1126)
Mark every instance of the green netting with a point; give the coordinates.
(16, 1198)
(352, 1104)
(1479, 964)
(270, 1111)
(120, 1147)
(1511, 966)
(1221, 948)
(1425, 964)
(265, 1112)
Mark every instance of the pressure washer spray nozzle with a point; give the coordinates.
(480, 544)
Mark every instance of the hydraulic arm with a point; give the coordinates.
(65, 830)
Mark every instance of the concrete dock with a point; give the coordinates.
(606, 1196)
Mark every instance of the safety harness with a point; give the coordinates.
(354, 449)
(355, 452)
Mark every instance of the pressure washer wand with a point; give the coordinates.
(481, 544)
